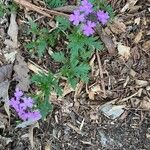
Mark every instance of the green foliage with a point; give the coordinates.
(2, 9)
(42, 40)
(63, 23)
(7, 8)
(47, 84)
(75, 66)
(55, 3)
(59, 57)
(73, 70)
(74, 61)
(80, 44)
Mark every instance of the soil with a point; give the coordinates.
(77, 123)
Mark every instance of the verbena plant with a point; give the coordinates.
(74, 59)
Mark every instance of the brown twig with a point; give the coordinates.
(43, 11)
(101, 73)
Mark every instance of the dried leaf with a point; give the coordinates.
(10, 57)
(106, 39)
(4, 86)
(93, 90)
(67, 89)
(4, 141)
(112, 111)
(21, 73)
(124, 51)
(96, 88)
(5, 72)
(12, 32)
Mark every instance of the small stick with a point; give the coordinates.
(101, 73)
(43, 11)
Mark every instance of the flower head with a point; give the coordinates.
(35, 115)
(76, 17)
(87, 17)
(88, 28)
(24, 107)
(14, 103)
(86, 7)
(102, 16)
(18, 93)
(28, 101)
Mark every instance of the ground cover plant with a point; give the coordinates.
(82, 44)
(74, 74)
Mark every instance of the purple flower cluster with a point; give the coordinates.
(24, 107)
(81, 16)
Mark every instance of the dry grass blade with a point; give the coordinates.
(101, 73)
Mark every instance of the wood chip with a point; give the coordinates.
(138, 37)
(117, 26)
(123, 50)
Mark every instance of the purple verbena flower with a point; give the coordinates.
(86, 7)
(14, 103)
(24, 107)
(102, 16)
(76, 17)
(35, 115)
(23, 115)
(28, 101)
(88, 28)
(18, 93)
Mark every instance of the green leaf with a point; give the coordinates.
(59, 57)
(31, 45)
(33, 27)
(46, 82)
(63, 23)
(93, 43)
(82, 71)
(76, 43)
(2, 9)
(45, 108)
(42, 44)
(73, 82)
(52, 37)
